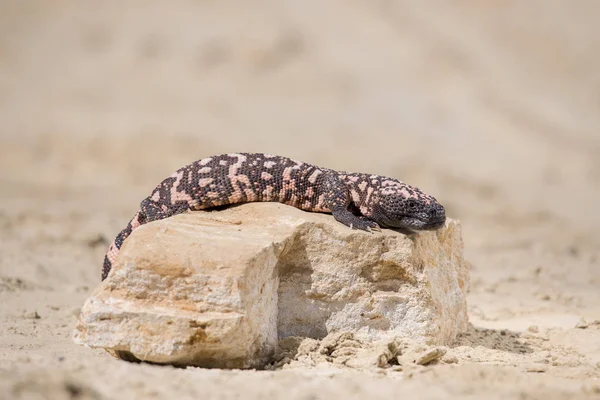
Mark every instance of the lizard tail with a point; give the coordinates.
(113, 250)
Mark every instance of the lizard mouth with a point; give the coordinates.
(416, 224)
(423, 224)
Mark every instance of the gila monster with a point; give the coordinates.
(359, 201)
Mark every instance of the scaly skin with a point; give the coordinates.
(359, 201)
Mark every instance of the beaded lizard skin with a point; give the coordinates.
(359, 201)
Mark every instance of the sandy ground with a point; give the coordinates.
(493, 107)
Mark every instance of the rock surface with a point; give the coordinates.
(218, 289)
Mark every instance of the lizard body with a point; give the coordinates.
(357, 200)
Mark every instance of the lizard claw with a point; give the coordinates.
(374, 228)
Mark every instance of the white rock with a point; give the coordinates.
(218, 289)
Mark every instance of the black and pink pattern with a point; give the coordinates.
(359, 201)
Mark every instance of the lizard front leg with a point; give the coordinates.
(338, 201)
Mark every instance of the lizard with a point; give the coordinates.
(358, 200)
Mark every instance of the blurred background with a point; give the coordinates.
(493, 107)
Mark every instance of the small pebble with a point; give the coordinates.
(537, 368)
(533, 329)
(450, 359)
(581, 324)
(528, 335)
(31, 315)
(431, 355)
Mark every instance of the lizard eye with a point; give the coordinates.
(412, 204)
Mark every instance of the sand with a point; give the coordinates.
(491, 106)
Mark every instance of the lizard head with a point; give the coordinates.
(406, 207)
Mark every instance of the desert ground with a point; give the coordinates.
(493, 107)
